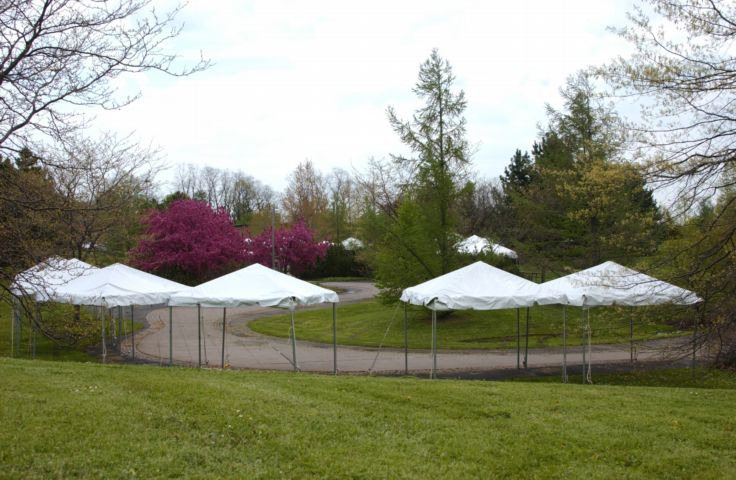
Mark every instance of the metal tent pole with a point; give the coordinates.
(695, 346)
(631, 338)
(132, 333)
(582, 343)
(564, 344)
(518, 340)
(199, 335)
(120, 324)
(590, 349)
(171, 335)
(526, 339)
(293, 341)
(12, 327)
(101, 313)
(406, 339)
(334, 338)
(34, 327)
(224, 322)
(434, 344)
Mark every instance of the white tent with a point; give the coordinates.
(352, 243)
(477, 287)
(41, 281)
(262, 286)
(254, 285)
(117, 285)
(612, 284)
(474, 245)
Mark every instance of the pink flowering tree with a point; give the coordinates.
(296, 249)
(190, 242)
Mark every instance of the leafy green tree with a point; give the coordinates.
(584, 204)
(684, 70)
(415, 232)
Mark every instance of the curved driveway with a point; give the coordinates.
(251, 350)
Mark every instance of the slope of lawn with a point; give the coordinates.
(366, 323)
(66, 420)
(658, 377)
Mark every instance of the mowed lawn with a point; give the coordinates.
(372, 324)
(66, 419)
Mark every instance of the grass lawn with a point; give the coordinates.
(66, 419)
(365, 324)
(665, 377)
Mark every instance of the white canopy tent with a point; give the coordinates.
(612, 284)
(352, 243)
(39, 283)
(117, 285)
(42, 280)
(477, 287)
(474, 245)
(262, 286)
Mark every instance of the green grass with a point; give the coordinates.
(364, 324)
(664, 377)
(67, 420)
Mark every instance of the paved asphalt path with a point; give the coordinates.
(250, 350)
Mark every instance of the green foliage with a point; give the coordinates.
(143, 421)
(582, 204)
(414, 235)
(338, 262)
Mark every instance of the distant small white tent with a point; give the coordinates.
(474, 245)
(352, 243)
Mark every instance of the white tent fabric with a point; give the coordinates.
(41, 281)
(612, 284)
(352, 243)
(474, 245)
(117, 285)
(479, 287)
(254, 285)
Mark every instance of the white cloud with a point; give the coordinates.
(295, 80)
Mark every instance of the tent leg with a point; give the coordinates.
(293, 342)
(526, 340)
(588, 378)
(101, 313)
(224, 322)
(582, 338)
(171, 336)
(334, 339)
(132, 332)
(12, 327)
(518, 341)
(564, 344)
(631, 338)
(199, 336)
(406, 339)
(434, 344)
(34, 328)
(120, 324)
(695, 347)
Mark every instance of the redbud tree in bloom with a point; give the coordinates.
(189, 241)
(296, 250)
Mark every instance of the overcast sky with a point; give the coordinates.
(296, 80)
